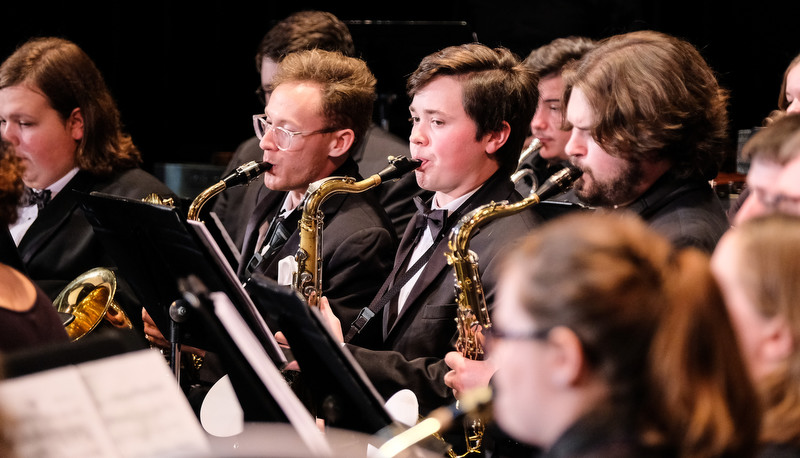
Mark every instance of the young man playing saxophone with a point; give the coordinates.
(470, 108)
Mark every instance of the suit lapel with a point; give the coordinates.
(329, 208)
(52, 217)
(265, 208)
(497, 188)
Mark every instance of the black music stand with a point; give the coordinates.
(342, 394)
(154, 247)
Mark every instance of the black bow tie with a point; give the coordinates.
(432, 218)
(34, 197)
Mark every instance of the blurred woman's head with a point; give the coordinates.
(757, 265)
(597, 311)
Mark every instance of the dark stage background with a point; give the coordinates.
(184, 76)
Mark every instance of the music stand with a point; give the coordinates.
(154, 246)
(342, 394)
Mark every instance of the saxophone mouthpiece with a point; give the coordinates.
(398, 166)
(246, 173)
(559, 182)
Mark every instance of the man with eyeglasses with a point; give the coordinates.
(774, 175)
(314, 30)
(321, 106)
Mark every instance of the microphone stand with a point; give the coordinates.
(178, 313)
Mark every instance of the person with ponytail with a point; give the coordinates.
(610, 342)
(757, 265)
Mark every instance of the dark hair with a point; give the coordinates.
(63, 73)
(305, 30)
(652, 324)
(11, 186)
(549, 59)
(655, 98)
(348, 86)
(496, 86)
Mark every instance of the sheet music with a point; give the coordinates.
(123, 406)
(246, 341)
(147, 415)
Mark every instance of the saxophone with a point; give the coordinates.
(308, 278)
(523, 172)
(472, 310)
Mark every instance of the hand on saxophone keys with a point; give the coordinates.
(467, 374)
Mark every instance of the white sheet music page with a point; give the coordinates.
(52, 414)
(127, 405)
(146, 414)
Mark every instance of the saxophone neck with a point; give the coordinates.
(243, 174)
(202, 198)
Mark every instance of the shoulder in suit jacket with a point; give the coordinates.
(61, 244)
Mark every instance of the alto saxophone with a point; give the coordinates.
(472, 310)
(308, 278)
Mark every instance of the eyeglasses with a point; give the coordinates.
(495, 333)
(493, 336)
(282, 137)
(778, 202)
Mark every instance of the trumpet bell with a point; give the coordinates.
(88, 301)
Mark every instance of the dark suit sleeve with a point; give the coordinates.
(356, 269)
(390, 372)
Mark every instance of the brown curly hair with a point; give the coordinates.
(11, 186)
(656, 98)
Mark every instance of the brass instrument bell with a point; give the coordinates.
(88, 301)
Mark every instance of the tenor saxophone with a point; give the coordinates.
(308, 278)
(472, 310)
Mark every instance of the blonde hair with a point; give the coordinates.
(769, 245)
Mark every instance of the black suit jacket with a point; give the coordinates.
(61, 244)
(358, 244)
(686, 211)
(410, 354)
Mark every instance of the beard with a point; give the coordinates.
(616, 190)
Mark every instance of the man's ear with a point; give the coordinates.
(75, 124)
(565, 357)
(777, 343)
(343, 140)
(498, 138)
